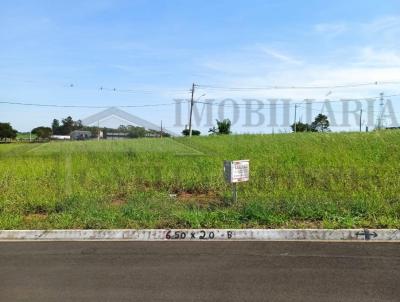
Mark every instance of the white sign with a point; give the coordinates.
(237, 170)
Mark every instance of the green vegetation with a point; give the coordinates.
(223, 127)
(66, 127)
(320, 124)
(186, 132)
(297, 180)
(7, 132)
(42, 132)
(25, 136)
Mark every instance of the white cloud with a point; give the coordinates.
(361, 58)
(387, 27)
(370, 56)
(280, 56)
(331, 29)
(368, 65)
(248, 61)
(382, 24)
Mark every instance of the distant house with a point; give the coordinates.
(80, 135)
(126, 118)
(152, 134)
(116, 135)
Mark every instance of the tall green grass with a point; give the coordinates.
(297, 180)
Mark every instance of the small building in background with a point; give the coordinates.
(80, 135)
(117, 135)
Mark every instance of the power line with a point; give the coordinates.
(235, 105)
(307, 101)
(75, 85)
(144, 91)
(277, 87)
(88, 106)
(245, 105)
(342, 111)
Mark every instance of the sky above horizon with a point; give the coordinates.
(63, 52)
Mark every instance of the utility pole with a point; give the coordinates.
(191, 111)
(360, 119)
(161, 130)
(295, 118)
(98, 130)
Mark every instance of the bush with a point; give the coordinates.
(186, 132)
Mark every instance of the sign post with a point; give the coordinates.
(234, 192)
(236, 171)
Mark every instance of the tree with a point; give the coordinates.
(301, 127)
(320, 124)
(135, 132)
(194, 132)
(7, 132)
(42, 132)
(78, 125)
(223, 127)
(68, 125)
(55, 126)
(166, 134)
(123, 129)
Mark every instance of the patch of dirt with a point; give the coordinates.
(35, 217)
(118, 202)
(199, 198)
(147, 186)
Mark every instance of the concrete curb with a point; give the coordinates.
(203, 235)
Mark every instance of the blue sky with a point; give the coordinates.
(158, 48)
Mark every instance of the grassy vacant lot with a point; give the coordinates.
(297, 180)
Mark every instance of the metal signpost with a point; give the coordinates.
(236, 171)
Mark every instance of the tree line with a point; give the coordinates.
(222, 127)
(68, 124)
(320, 124)
(7, 132)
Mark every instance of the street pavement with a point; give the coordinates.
(199, 271)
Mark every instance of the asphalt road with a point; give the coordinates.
(199, 271)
